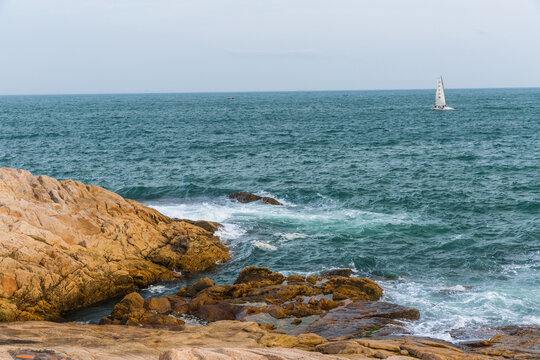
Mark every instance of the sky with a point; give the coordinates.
(143, 46)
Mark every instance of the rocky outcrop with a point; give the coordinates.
(111, 342)
(65, 245)
(245, 197)
(363, 318)
(332, 306)
(511, 342)
(242, 340)
(244, 354)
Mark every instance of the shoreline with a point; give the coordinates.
(85, 244)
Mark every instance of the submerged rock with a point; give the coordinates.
(245, 197)
(66, 245)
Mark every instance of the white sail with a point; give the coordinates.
(440, 99)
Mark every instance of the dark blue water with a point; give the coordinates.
(442, 208)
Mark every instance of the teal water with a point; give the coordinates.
(441, 208)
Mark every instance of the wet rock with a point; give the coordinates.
(514, 342)
(362, 318)
(337, 272)
(353, 288)
(159, 305)
(264, 296)
(201, 284)
(133, 310)
(65, 245)
(245, 197)
(148, 319)
(258, 274)
(209, 226)
(216, 312)
(130, 303)
(296, 279)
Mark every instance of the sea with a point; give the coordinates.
(441, 208)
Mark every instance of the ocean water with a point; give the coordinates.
(441, 208)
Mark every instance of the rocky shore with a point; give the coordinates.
(65, 245)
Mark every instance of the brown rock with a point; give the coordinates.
(152, 320)
(256, 274)
(326, 304)
(159, 305)
(209, 226)
(113, 342)
(203, 283)
(270, 201)
(514, 342)
(310, 340)
(216, 312)
(243, 354)
(344, 347)
(296, 279)
(238, 340)
(361, 318)
(245, 197)
(65, 245)
(130, 303)
(191, 291)
(353, 288)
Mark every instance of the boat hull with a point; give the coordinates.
(444, 108)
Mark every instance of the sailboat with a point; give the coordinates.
(440, 98)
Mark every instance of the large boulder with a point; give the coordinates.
(245, 197)
(65, 245)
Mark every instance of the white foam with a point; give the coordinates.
(459, 309)
(263, 245)
(291, 236)
(156, 289)
(230, 232)
(224, 210)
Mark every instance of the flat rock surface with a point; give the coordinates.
(243, 354)
(91, 342)
(225, 340)
(65, 245)
(362, 318)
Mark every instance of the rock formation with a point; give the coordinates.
(245, 197)
(228, 340)
(331, 306)
(65, 245)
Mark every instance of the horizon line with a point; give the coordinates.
(259, 91)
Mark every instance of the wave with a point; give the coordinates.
(222, 210)
(461, 312)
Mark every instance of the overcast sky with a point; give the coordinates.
(111, 46)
